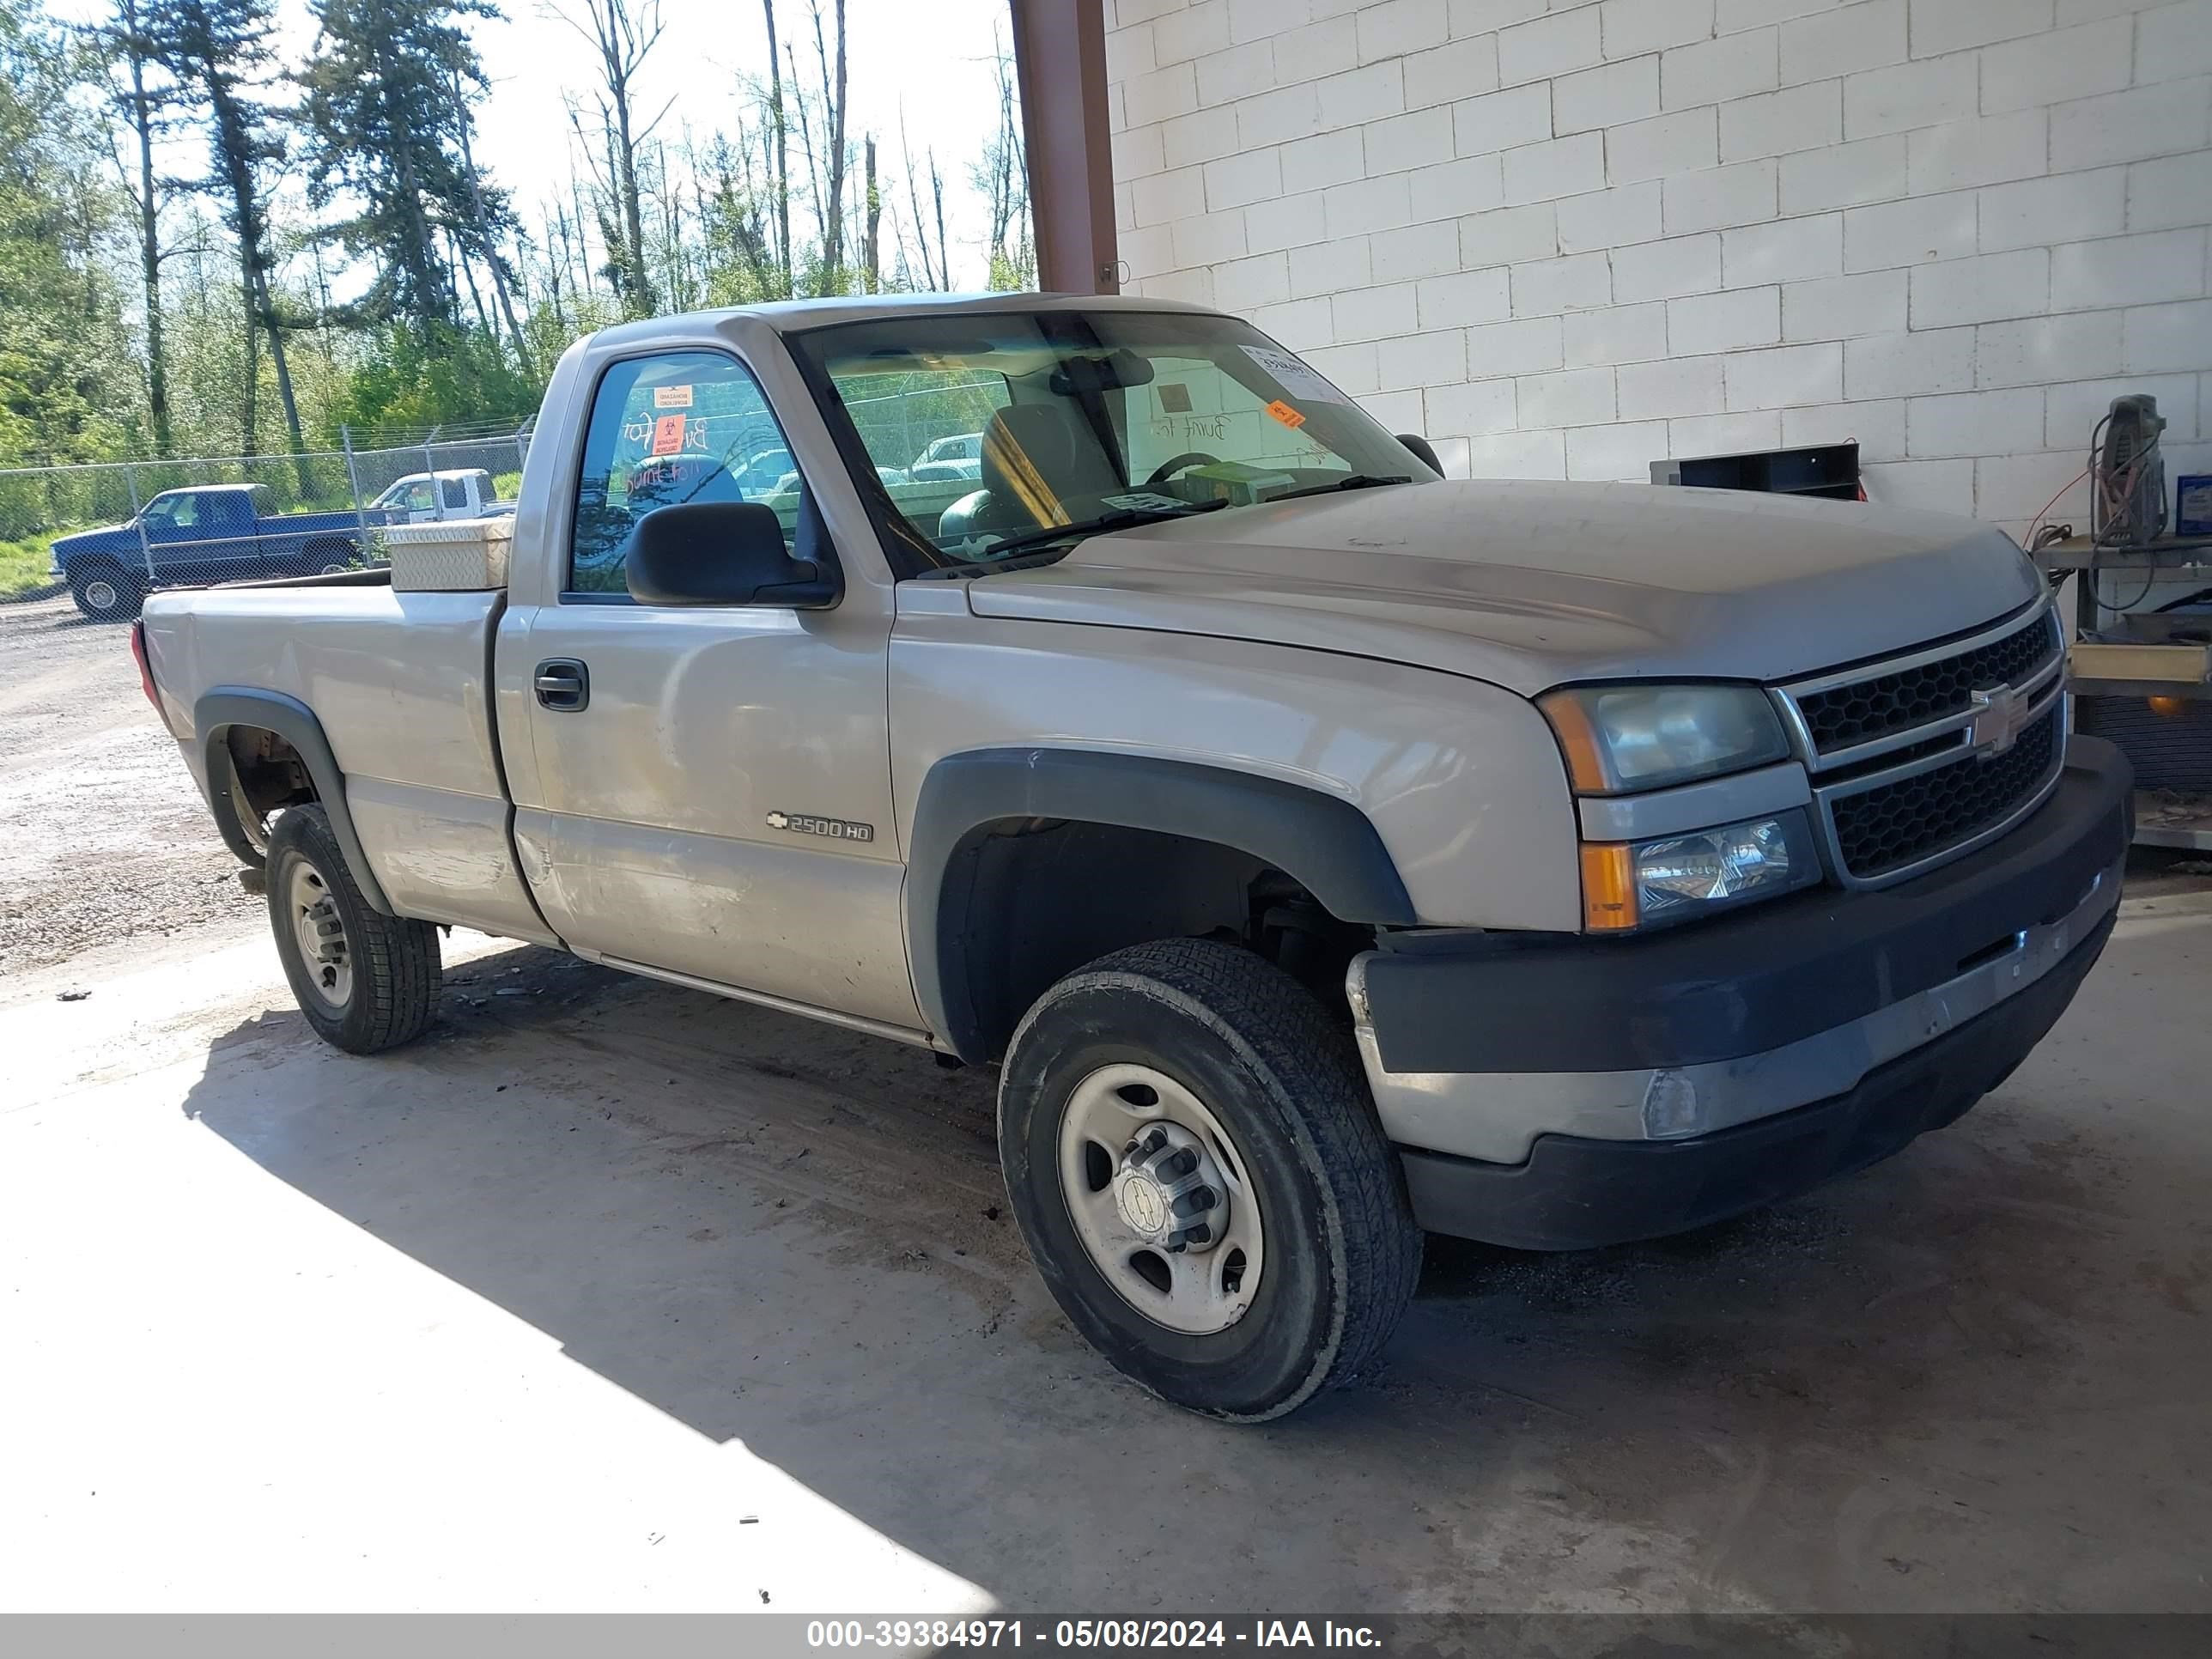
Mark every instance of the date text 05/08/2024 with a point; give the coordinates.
(1112, 1634)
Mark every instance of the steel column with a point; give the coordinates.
(1060, 58)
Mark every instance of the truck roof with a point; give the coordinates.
(795, 316)
(210, 489)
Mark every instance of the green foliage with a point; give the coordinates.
(414, 379)
(23, 567)
(465, 310)
(65, 374)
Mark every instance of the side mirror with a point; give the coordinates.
(721, 553)
(1423, 450)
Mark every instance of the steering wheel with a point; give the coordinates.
(1176, 462)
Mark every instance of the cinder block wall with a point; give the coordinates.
(1565, 242)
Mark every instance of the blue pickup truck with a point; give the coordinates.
(198, 535)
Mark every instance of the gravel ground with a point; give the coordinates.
(103, 838)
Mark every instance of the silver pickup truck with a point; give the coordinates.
(1320, 850)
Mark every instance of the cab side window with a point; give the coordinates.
(691, 426)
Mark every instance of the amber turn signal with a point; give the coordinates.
(1608, 887)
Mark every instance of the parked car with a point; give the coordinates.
(434, 497)
(201, 533)
(1320, 850)
(960, 456)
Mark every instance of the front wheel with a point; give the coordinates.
(365, 981)
(1191, 1153)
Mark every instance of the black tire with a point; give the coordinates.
(395, 972)
(1342, 1252)
(107, 592)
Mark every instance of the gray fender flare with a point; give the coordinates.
(1324, 842)
(225, 706)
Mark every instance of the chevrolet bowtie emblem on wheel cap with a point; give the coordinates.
(1999, 713)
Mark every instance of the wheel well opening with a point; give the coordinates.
(1031, 899)
(271, 773)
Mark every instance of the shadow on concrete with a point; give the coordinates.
(1927, 1387)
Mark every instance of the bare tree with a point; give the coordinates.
(1002, 176)
(486, 234)
(832, 120)
(937, 276)
(780, 180)
(875, 269)
(143, 105)
(623, 32)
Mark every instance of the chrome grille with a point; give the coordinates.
(1845, 715)
(1922, 757)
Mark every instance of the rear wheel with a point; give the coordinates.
(365, 981)
(107, 592)
(1191, 1153)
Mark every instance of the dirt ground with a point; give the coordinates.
(103, 842)
(614, 1296)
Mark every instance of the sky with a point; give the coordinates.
(931, 58)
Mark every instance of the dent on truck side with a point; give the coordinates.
(1397, 796)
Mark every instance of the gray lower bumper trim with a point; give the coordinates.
(1498, 1115)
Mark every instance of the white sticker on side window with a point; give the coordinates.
(1299, 383)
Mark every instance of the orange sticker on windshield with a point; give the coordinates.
(1289, 416)
(667, 434)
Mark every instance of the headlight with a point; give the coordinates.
(1619, 737)
(1650, 882)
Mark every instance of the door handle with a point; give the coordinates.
(563, 684)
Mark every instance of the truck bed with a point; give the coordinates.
(400, 685)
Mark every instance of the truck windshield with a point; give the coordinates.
(1080, 418)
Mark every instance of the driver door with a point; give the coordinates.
(710, 797)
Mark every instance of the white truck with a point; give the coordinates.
(1322, 850)
(440, 497)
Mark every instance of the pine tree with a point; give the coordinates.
(385, 118)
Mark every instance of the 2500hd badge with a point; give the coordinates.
(803, 824)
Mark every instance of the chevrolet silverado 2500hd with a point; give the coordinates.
(1322, 850)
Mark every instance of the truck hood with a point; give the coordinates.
(99, 537)
(1530, 585)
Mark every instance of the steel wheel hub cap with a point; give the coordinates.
(1169, 1192)
(1161, 1199)
(101, 595)
(321, 936)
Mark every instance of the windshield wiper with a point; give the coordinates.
(1356, 481)
(997, 554)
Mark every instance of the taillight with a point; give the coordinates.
(145, 668)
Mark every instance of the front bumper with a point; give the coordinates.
(1559, 1093)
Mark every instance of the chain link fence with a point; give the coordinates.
(106, 535)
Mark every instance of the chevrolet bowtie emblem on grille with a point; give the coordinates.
(1999, 713)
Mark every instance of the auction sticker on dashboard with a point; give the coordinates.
(1294, 377)
(1144, 500)
(1289, 416)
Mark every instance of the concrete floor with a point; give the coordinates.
(609, 1296)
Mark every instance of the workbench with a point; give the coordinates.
(2133, 655)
